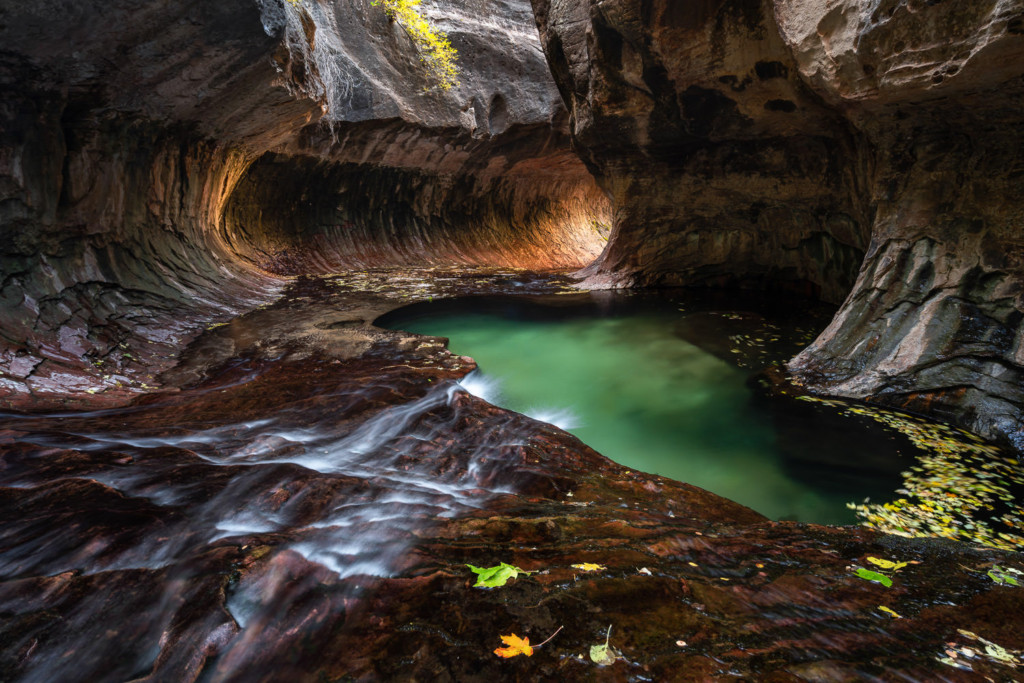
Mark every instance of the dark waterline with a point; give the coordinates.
(665, 385)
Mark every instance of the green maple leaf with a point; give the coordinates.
(494, 577)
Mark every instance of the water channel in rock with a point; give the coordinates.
(664, 384)
(323, 467)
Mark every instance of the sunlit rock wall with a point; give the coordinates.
(125, 130)
(723, 168)
(787, 139)
(402, 172)
(295, 215)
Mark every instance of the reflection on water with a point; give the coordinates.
(664, 387)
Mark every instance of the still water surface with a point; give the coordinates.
(661, 390)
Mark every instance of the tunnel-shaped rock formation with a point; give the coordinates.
(298, 494)
(784, 140)
(521, 200)
(723, 167)
(162, 169)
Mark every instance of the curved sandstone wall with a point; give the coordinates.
(400, 173)
(934, 320)
(534, 206)
(723, 167)
(162, 166)
(871, 149)
(123, 133)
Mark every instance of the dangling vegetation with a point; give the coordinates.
(436, 51)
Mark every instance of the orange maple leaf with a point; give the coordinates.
(516, 646)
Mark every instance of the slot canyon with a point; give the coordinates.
(234, 447)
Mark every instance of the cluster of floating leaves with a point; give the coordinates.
(417, 284)
(960, 487)
(960, 656)
(755, 349)
(761, 342)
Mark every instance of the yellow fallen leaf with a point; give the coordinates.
(589, 567)
(889, 611)
(887, 564)
(516, 646)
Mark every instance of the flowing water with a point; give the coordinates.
(246, 518)
(149, 506)
(669, 391)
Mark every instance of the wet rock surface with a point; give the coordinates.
(871, 151)
(298, 494)
(127, 136)
(305, 505)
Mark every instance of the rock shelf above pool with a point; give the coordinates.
(214, 467)
(306, 504)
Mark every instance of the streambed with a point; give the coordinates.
(670, 391)
(306, 511)
(670, 383)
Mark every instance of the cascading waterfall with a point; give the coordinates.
(347, 498)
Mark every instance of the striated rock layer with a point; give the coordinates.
(784, 142)
(403, 175)
(723, 167)
(161, 168)
(934, 320)
(119, 150)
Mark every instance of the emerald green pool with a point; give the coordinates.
(662, 385)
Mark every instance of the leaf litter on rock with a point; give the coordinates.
(604, 655)
(497, 576)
